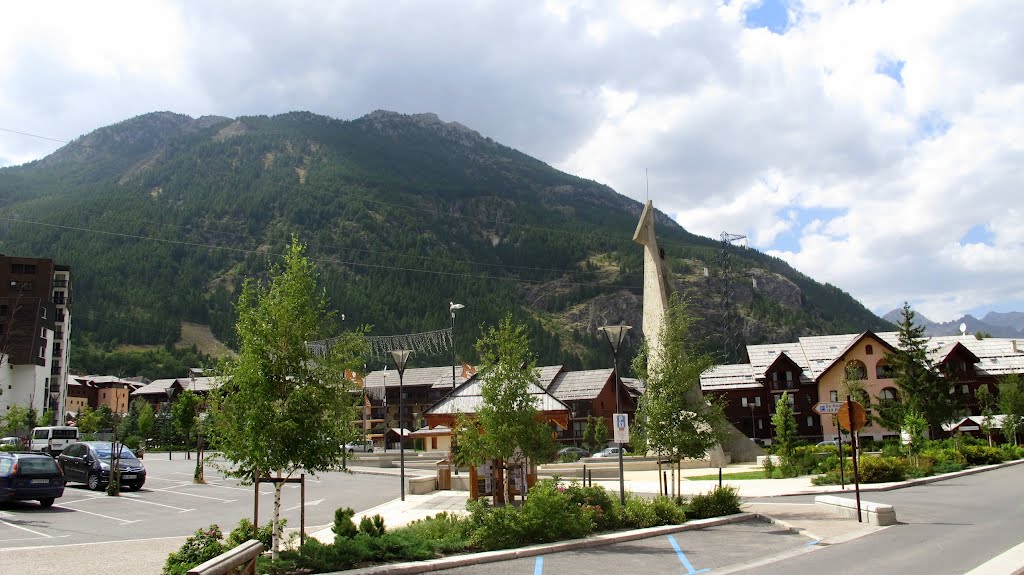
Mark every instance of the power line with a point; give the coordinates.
(34, 136)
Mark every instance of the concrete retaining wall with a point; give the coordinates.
(872, 513)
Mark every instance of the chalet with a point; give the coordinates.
(812, 369)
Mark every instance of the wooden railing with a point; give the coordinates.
(240, 560)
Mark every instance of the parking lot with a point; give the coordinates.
(171, 505)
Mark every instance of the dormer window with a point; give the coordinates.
(869, 350)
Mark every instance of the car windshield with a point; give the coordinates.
(103, 452)
(37, 465)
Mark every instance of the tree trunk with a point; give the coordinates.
(276, 543)
(499, 482)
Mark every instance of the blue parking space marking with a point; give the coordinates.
(538, 567)
(682, 558)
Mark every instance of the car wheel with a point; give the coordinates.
(44, 503)
(93, 482)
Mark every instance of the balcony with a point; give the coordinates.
(60, 283)
(60, 300)
(55, 369)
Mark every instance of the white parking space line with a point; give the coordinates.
(168, 490)
(209, 483)
(26, 529)
(134, 498)
(118, 519)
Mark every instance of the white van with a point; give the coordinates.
(52, 440)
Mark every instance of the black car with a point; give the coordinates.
(89, 462)
(576, 452)
(28, 476)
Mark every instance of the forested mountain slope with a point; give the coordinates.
(162, 216)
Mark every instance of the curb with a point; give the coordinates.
(534, 550)
(902, 484)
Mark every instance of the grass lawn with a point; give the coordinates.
(759, 474)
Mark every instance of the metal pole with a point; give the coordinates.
(454, 446)
(839, 441)
(618, 409)
(853, 452)
(302, 512)
(256, 505)
(401, 431)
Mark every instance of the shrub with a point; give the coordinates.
(372, 526)
(203, 545)
(599, 501)
(1011, 452)
(769, 467)
(881, 469)
(343, 527)
(243, 532)
(447, 531)
(981, 454)
(720, 501)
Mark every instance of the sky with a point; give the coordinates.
(875, 145)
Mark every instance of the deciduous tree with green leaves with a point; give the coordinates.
(280, 407)
(1011, 405)
(185, 414)
(675, 425)
(784, 423)
(508, 420)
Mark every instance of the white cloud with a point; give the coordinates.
(795, 140)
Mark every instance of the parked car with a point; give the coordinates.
(53, 439)
(30, 476)
(15, 441)
(827, 442)
(578, 452)
(88, 462)
(609, 452)
(360, 446)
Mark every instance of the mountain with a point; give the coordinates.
(163, 216)
(994, 323)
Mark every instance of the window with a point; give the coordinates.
(775, 376)
(17, 285)
(757, 401)
(789, 377)
(888, 394)
(833, 395)
(966, 389)
(810, 421)
(42, 352)
(44, 312)
(743, 402)
(883, 370)
(790, 399)
(856, 369)
(42, 332)
(868, 350)
(760, 424)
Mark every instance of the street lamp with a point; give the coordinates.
(400, 357)
(616, 334)
(452, 308)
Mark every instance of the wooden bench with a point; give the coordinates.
(240, 560)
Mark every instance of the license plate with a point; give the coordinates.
(128, 476)
(40, 481)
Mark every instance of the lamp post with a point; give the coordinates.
(400, 357)
(616, 334)
(198, 477)
(452, 308)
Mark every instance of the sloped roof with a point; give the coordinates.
(435, 377)
(636, 385)
(579, 385)
(156, 386)
(467, 399)
(816, 354)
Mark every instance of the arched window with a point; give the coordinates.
(883, 370)
(889, 394)
(856, 370)
(869, 350)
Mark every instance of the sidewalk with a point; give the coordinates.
(397, 513)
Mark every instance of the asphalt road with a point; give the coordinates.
(171, 505)
(947, 527)
(686, 552)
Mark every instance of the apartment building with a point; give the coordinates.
(35, 329)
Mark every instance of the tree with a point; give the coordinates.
(18, 421)
(784, 423)
(185, 414)
(145, 419)
(280, 407)
(922, 389)
(508, 423)
(675, 425)
(1011, 404)
(595, 434)
(986, 402)
(88, 420)
(915, 426)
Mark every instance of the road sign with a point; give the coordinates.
(827, 407)
(852, 416)
(621, 428)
